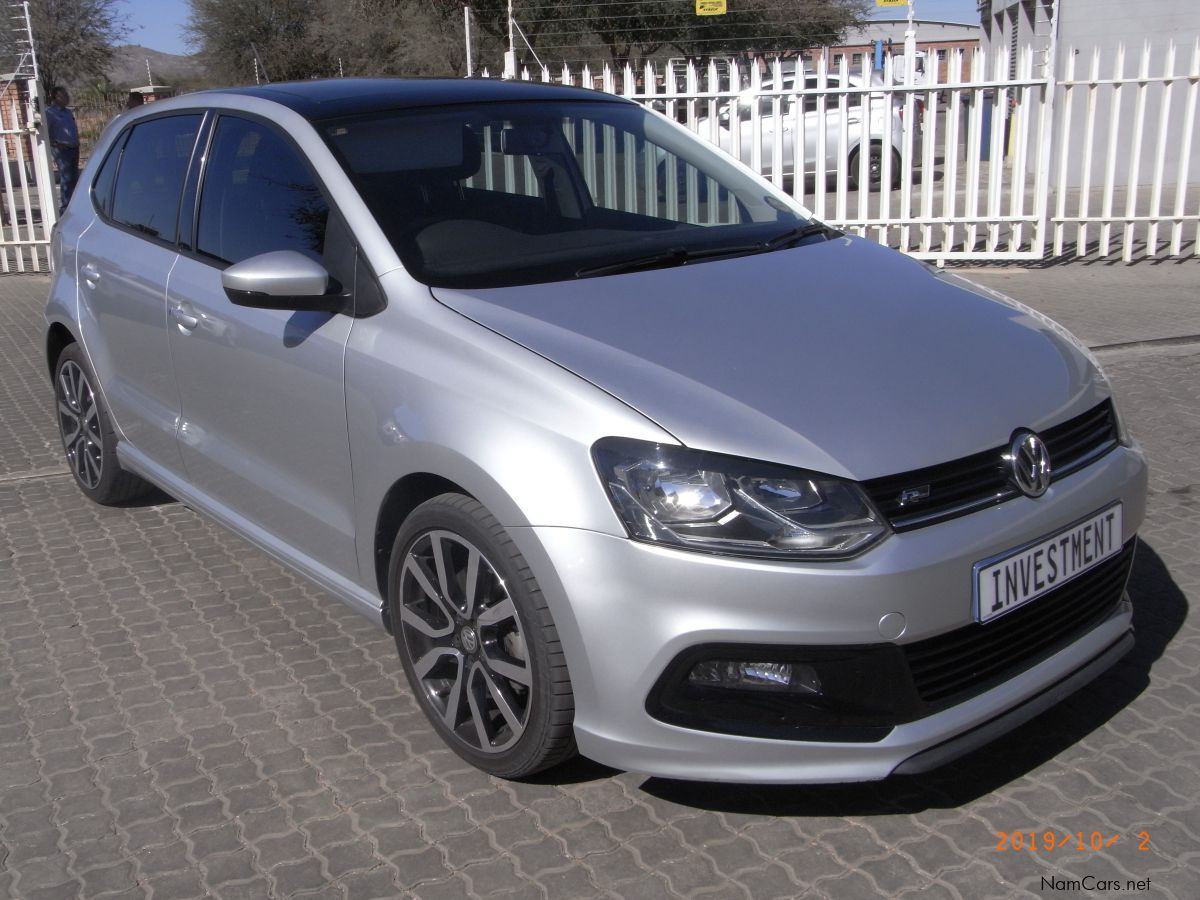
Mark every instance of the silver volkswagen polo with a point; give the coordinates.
(631, 455)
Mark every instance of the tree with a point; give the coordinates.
(227, 33)
(620, 32)
(74, 39)
(298, 39)
(310, 38)
(393, 37)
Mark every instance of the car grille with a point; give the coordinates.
(971, 659)
(981, 480)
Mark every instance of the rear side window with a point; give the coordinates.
(103, 182)
(258, 196)
(153, 167)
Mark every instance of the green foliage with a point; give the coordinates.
(314, 38)
(228, 32)
(618, 32)
(74, 39)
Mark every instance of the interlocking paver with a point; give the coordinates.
(179, 717)
(379, 882)
(420, 866)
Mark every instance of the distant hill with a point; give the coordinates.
(128, 68)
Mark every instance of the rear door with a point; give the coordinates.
(263, 427)
(124, 261)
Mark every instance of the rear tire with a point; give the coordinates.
(477, 641)
(874, 169)
(88, 437)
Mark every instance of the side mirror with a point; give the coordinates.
(285, 280)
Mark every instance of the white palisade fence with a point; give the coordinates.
(983, 158)
(991, 158)
(27, 212)
(1157, 215)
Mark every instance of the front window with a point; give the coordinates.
(258, 196)
(487, 195)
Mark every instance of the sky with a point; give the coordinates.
(158, 24)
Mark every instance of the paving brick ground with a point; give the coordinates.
(179, 717)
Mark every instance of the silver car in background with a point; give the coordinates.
(630, 455)
(809, 129)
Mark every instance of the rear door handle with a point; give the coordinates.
(185, 319)
(90, 274)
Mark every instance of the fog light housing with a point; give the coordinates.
(770, 676)
(851, 693)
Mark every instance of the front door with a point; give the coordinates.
(263, 427)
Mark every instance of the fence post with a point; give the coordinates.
(1110, 161)
(1047, 140)
(1160, 152)
(1185, 152)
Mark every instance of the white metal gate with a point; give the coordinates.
(27, 208)
(994, 159)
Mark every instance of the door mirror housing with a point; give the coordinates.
(285, 280)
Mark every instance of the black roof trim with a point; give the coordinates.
(335, 97)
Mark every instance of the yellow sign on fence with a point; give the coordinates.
(891, 2)
(710, 7)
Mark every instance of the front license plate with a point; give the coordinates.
(1021, 576)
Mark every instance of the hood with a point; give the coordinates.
(841, 356)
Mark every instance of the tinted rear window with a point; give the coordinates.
(103, 182)
(153, 168)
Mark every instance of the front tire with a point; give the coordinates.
(477, 641)
(88, 437)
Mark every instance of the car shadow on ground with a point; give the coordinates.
(1160, 609)
(152, 497)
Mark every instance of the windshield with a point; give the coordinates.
(490, 195)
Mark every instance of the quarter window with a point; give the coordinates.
(153, 167)
(258, 196)
(103, 182)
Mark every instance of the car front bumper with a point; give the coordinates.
(625, 610)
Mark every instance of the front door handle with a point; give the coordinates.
(90, 274)
(183, 317)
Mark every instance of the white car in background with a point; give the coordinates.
(776, 119)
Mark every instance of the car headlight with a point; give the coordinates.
(722, 504)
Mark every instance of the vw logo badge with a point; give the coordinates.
(1030, 462)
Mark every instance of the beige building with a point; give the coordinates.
(935, 40)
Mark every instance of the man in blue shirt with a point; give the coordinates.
(64, 143)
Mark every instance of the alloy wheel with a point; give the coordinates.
(875, 167)
(464, 640)
(79, 424)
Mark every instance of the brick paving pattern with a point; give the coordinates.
(180, 717)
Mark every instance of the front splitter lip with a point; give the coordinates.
(705, 756)
(941, 754)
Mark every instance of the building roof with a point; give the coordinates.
(926, 29)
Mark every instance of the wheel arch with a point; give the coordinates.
(404, 496)
(58, 338)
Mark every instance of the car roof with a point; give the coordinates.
(335, 97)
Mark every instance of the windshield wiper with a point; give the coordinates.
(812, 229)
(672, 256)
(678, 256)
